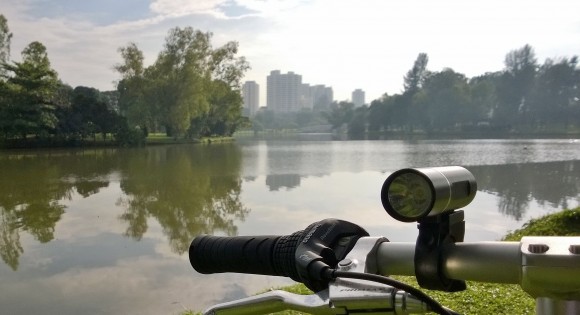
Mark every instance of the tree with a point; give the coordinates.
(181, 79)
(224, 113)
(444, 102)
(29, 94)
(357, 125)
(515, 88)
(5, 37)
(341, 113)
(190, 82)
(133, 89)
(378, 116)
(89, 106)
(415, 77)
(556, 95)
(484, 95)
(413, 82)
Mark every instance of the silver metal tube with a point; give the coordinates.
(498, 262)
(396, 259)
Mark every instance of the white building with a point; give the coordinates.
(284, 91)
(358, 97)
(287, 93)
(251, 94)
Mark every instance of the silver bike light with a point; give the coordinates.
(414, 193)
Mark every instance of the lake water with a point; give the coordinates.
(106, 231)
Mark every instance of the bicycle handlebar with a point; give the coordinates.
(547, 268)
(263, 255)
(497, 262)
(302, 256)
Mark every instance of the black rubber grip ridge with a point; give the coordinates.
(265, 255)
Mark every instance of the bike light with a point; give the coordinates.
(414, 193)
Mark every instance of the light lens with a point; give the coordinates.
(410, 195)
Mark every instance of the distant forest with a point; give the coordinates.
(525, 97)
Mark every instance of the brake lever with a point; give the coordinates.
(275, 301)
(343, 296)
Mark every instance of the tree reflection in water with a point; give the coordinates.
(516, 185)
(188, 190)
(193, 189)
(32, 187)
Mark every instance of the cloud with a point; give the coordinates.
(343, 44)
(178, 8)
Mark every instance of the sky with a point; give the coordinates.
(345, 44)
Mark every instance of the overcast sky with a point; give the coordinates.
(364, 44)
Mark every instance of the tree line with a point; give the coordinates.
(524, 97)
(192, 90)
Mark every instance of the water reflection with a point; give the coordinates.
(277, 181)
(32, 188)
(188, 190)
(516, 185)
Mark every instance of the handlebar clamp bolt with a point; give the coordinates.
(346, 264)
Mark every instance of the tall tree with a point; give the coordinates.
(133, 88)
(413, 82)
(484, 95)
(415, 77)
(182, 70)
(516, 87)
(556, 96)
(444, 102)
(30, 88)
(185, 85)
(5, 38)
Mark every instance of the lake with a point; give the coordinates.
(106, 231)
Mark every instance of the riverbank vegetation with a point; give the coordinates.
(191, 91)
(488, 298)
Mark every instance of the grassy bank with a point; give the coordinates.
(107, 142)
(161, 139)
(486, 298)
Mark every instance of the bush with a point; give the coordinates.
(129, 137)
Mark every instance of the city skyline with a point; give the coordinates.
(372, 44)
(286, 92)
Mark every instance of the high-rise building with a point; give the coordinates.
(251, 94)
(284, 91)
(287, 93)
(358, 97)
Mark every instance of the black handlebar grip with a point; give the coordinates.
(265, 255)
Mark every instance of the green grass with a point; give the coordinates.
(563, 223)
(488, 298)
